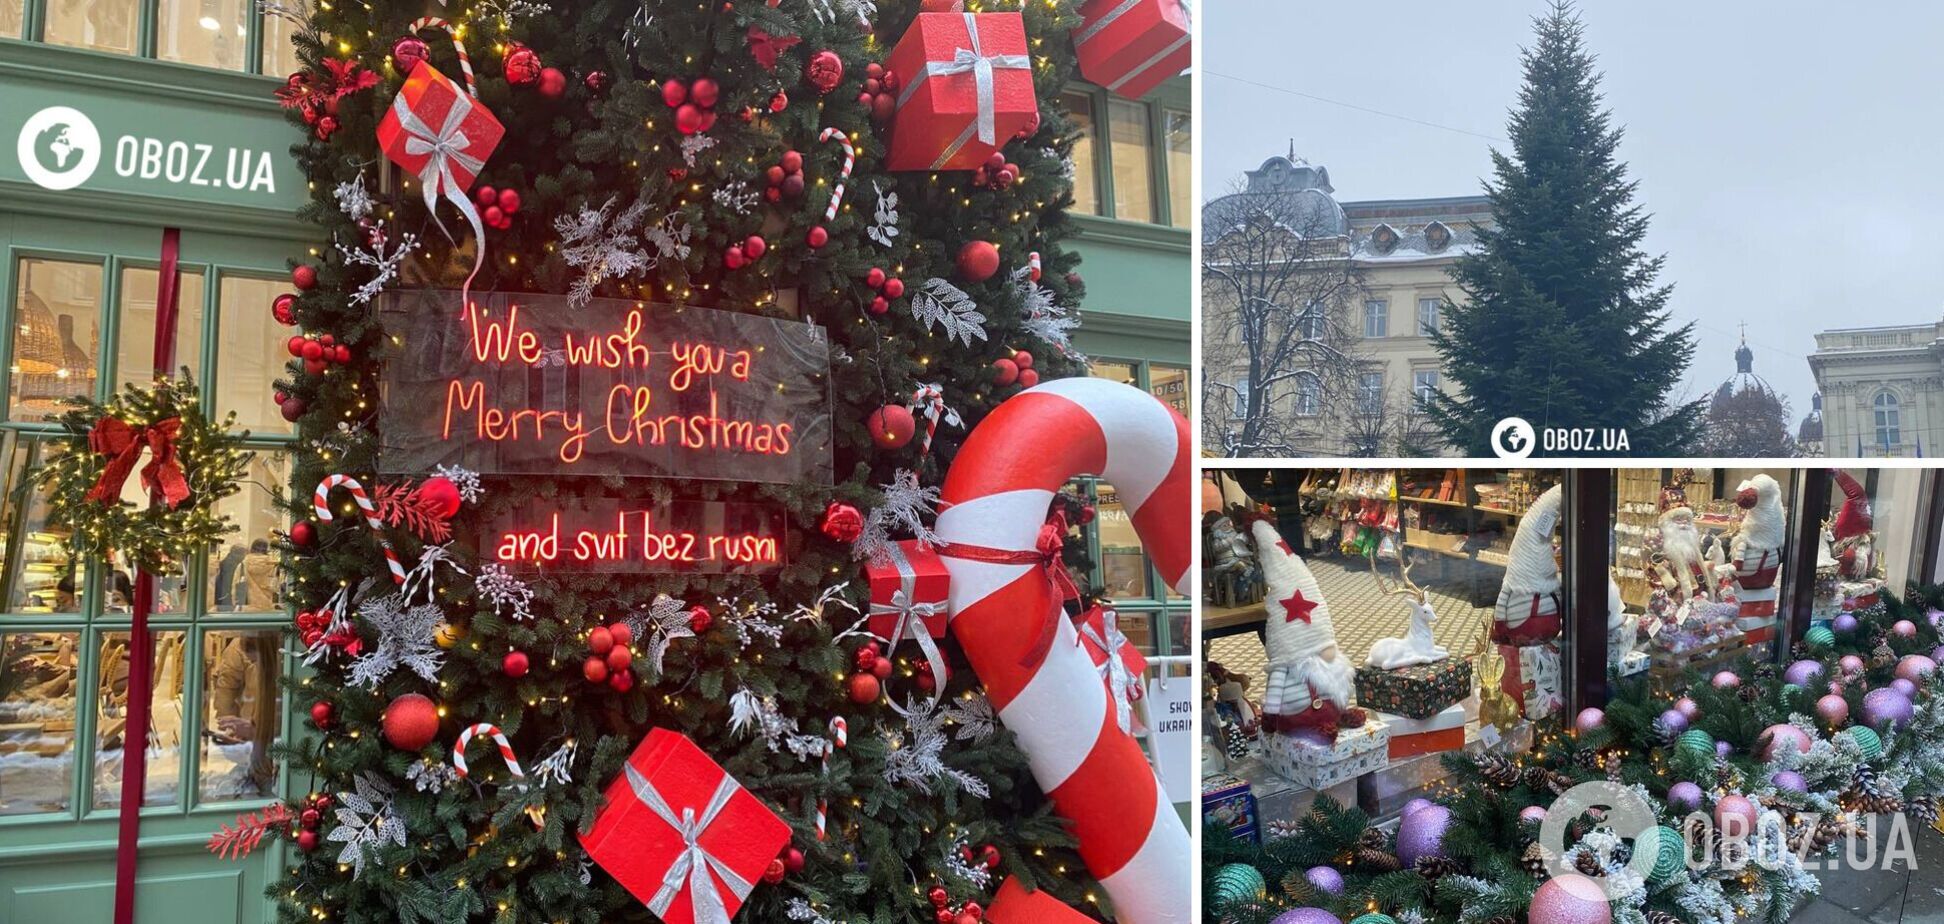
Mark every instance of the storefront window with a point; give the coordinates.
(1127, 121)
(13, 17)
(1086, 186)
(99, 25)
(1123, 373)
(1170, 384)
(135, 354)
(163, 768)
(243, 574)
(253, 355)
(39, 678)
(57, 335)
(241, 715)
(1181, 167)
(1870, 536)
(279, 51)
(1122, 564)
(212, 33)
(40, 576)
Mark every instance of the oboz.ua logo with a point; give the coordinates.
(1513, 438)
(59, 148)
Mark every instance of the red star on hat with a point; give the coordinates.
(1296, 607)
(1284, 545)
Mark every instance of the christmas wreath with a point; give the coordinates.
(159, 435)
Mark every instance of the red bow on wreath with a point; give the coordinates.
(1045, 553)
(113, 437)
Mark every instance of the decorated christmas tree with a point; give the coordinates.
(635, 369)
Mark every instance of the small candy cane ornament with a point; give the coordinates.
(499, 738)
(931, 398)
(321, 505)
(843, 176)
(839, 737)
(1033, 265)
(465, 60)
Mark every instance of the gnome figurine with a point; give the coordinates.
(1528, 610)
(1310, 682)
(1851, 540)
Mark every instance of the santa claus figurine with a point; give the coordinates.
(1757, 547)
(1680, 546)
(1528, 610)
(1851, 540)
(1310, 682)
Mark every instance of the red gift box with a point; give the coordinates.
(968, 88)
(1014, 905)
(433, 127)
(1099, 632)
(1131, 46)
(908, 590)
(639, 838)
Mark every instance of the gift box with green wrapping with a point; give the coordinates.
(1417, 692)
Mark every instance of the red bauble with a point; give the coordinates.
(295, 345)
(674, 92)
(439, 496)
(284, 309)
(1004, 372)
(866, 656)
(991, 857)
(775, 174)
(779, 102)
(553, 83)
(1028, 378)
(411, 722)
(881, 668)
(515, 664)
(792, 161)
(508, 201)
(595, 670)
(493, 216)
(967, 917)
(596, 82)
(340, 354)
(312, 350)
(310, 817)
(303, 535)
(883, 107)
(793, 860)
(755, 246)
(700, 619)
(292, 408)
(995, 161)
(945, 916)
(939, 896)
(522, 66)
(774, 874)
(1022, 359)
(307, 841)
(705, 92)
(879, 305)
(621, 682)
(894, 288)
(842, 522)
(733, 258)
(600, 640)
(891, 426)
(688, 118)
(321, 714)
(1005, 177)
(864, 688)
(875, 278)
(408, 53)
(314, 366)
(619, 657)
(486, 196)
(1031, 128)
(792, 186)
(817, 236)
(621, 633)
(825, 71)
(304, 277)
(978, 261)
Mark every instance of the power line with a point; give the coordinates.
(1354, 106)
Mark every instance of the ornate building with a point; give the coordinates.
(1882, 389)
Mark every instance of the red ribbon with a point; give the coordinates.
(1045, 553)
(114, 438)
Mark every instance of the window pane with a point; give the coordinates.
(1170, 384)
(1132, 160)
(135, 355)
(57, 337)
(1115, 371)
(243, 571)
(240, 715)
(1181, 167)
(118, 588)
(100, 25)
(166, 726)
(1427, 316)
(40, 578)
(1123, 566)
(13, 16)
(38, 674)
(212, 33)
(253, 354)
(1376, 319)
(279, 55)
(1086, 187)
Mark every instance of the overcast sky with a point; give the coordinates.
(1789, 153)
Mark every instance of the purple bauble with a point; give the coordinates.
(1421, 834)
(1533, 813)
(1802, 672)
(1833, 710)
(1723, 749)
(1726, 680)
(1852, 665)
(1589, 719)
(1675, 720)
(1684, 797)
(1570, 899)
(1885, 706)
(1915, 667)
(1688, 707)
(1789, 781)
(1306, 916)
(1905, 687)
(1937, 654)
(1414, 805)
(1904, 628)
(1936, 617)
(1844, 623)
(1781, 737)
(1326, 879)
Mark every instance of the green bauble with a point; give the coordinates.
(1819, 637)
(1669, 859)
(1867, 739)
(1238, 882)
(1791, 690)
(1373, 918)
(1697, 742)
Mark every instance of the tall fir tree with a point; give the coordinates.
(756, 676)
(1562, 322)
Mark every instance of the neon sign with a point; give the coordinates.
(632, 536)
(528, 384)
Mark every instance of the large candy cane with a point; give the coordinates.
(850, 160)
(321, 503)
(995, 500)
(465, 60)
(839, 737)
(499, 738)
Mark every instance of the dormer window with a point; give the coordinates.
(1384, 239)
(1436, 236)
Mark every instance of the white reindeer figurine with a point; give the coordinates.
(1416, 647)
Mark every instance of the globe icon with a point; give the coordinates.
(56, 147)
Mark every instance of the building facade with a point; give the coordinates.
(1402, 252)
(1882, 390)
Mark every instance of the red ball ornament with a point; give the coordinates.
(303, 535)
(881, 668)
(817, 236)
(792, 161)
(894, 288)
(522, 66)
(842, 522)
(515, 664)
(310, 817)
(307, 841)
(967, 917)
(793, 860)
(313, 350)
(891, 426)
(284, 309)
(875, 278)
(733, 257)
(883, 107)
(292, 408)
(621, 682)
(688, 118)
(486, 196)
(408, 53)
(864, 688)
(991, 857)
(792, 186)
(1028, 378)
(824, 71)
(439, 496)
(340, 354)
(775, 174)
(508, 201)
(754, 247)
(619, 657)
(1005, 177)
(595, 670)
(704, 92)
(321, 714)
(600, 640)
(938, 896)
(411, 722)
(596, 82)
(978, 261)
(779, 102)
(674, 92)
(774, 874)
(1030, 129)
(295, 345)
(621, 633)
(304, 277)
(700, 619)
(494, 217)
(879, 305)
(1022, 359)
(1004, 372)
(944, 916)
(553, 83)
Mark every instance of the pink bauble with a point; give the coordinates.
(1589, 719)
(1915, 667)
(1735, 816)
(1726, 680)
(1570, 899)
(1414, 805)
(1688, 707)
(1533, 813)
(1833, 710)
(1779, 737)
(1904, 628)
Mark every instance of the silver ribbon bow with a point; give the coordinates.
(1094, 29)
(442, 149)
(695, 868)
(1113, 671)
(911, 615)
(980, 65)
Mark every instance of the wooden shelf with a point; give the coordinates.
(1501, 511)
(1487, 556)
(1432, 500)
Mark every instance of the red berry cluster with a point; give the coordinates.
(944, 913)
(318, 351)
(310, 629)
(609, 657)
(694, 103)
(497, 206)
(887, 287)
(880, 93)
(308, 819)
(996, 172)
(785, 178)
(745, 252)
(1017, 368)
(872, 669)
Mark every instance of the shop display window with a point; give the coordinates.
(1128, 127)
(56, 336)
(13, 18)
(243, 572)
(241, 715)
(163, 767)
(253, 355)
(212, 33)
(40, 576)
(1086, 185)
(135, 332)
(99, 25)
(39, 684)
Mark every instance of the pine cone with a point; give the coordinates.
(1435, 867)
(1372, 839)
(1749, 692)
(1882, 656)
(1497, 770)
(1534, 860)
(1376, 861)
(1614, 768)
(1765, 671)
(1924, 810)
(1501, 919)
(1657, 916)
(1589, 759)
(1551, 780)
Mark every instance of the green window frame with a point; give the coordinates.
(148, 30)
(1171, 99)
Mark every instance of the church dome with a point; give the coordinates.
(1288, 191)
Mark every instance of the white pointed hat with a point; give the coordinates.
(1299, 620)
